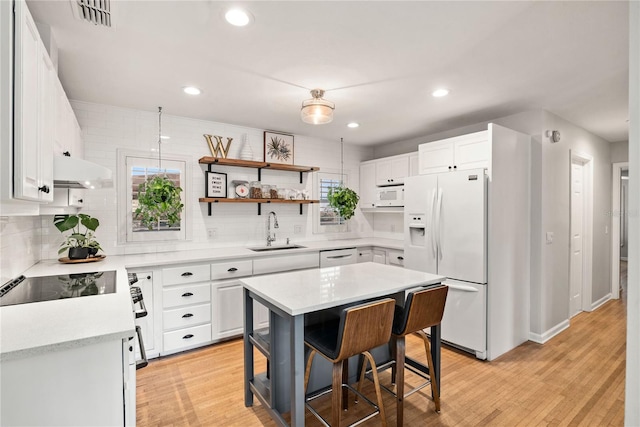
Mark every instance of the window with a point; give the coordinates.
(326, 218)
(134, 169)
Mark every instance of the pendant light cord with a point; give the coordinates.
(342, 162)
(159, 139)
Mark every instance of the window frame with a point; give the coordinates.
(318, 227)
(124, 197)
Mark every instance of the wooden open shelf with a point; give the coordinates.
(210, 161)
(256, 165)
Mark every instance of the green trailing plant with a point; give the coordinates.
(344, 200)
(78, 238)
(158, 200)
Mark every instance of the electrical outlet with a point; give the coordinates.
(297, 229)
(549, 237)
(212, 233)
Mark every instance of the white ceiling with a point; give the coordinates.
(377, 60)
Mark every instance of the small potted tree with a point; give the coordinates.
(79, 244)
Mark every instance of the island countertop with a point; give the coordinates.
(305, 291)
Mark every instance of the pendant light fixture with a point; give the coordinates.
(317, 111)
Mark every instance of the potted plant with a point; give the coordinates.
(344, 200)
(80, 244)
(158, 200)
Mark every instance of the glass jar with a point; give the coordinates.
(255, 190)
(282, 193)
(266, 191)
(273, 191)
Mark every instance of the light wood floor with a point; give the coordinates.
(575, 379)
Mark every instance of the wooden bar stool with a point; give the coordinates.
(423, 309)
(360, 328)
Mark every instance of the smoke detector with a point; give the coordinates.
(98, 12)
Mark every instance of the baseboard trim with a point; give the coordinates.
(596, 305)
(543, 338)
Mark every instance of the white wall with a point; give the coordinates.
(106, 129)
(619, 151)
(20, 244)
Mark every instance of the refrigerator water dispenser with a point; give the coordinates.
(417, 230)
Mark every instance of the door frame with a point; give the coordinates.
(587, 248)
(615, 227)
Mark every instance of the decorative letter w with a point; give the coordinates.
(219, 149)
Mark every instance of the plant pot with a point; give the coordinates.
(78, 253)
(93, 251)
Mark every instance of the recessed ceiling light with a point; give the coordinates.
(438, 93)
(353, 125)
(238, 17)
(191, 90)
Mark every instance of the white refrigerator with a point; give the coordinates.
(446, 233)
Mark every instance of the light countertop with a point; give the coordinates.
(30, 329)
(305, 291)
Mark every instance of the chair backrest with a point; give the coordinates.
(365, 326)
(424, 308)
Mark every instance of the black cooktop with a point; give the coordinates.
(25, 290)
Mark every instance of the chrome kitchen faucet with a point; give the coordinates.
(275, 225)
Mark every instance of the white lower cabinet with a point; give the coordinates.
(228, 314)
(187, 338)
(379, 256)
(395, 257)
(80, 386)
(365, 255)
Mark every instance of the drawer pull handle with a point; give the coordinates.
(232, 269)
(186, 337)
(187, 294)
(187, 274)
(184, 316)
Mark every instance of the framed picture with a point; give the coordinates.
(278, 148)
(216, 184)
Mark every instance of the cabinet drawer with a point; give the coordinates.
(186, 338)
(395, 258)
(185, 295)
(186, 316)
(185, 274)
(231, 269)
(365, 255)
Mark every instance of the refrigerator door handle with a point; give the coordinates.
(438, 230)
(432, 225)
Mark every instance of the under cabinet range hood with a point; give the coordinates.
(71, 172)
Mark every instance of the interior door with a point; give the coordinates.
(460, 216)
(577, 237)
(419, 244)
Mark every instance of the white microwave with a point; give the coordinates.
(390, 196)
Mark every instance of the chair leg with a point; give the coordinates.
(376, 383)
(363, 371)
(336, 394)
(393, 344)
(434, 383)
(400, 357)
(307, 372)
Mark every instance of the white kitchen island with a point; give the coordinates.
(292, 295)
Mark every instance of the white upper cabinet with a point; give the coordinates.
(414, 164)
(367, 185)
(67, 136)
(392, 170)
(459, 153)
(34, 112)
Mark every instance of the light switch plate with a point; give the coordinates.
(549, 237)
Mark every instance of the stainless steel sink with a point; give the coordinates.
(276, 248)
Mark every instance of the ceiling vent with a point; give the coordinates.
(98, 12)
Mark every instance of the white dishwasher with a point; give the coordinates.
(336, 257)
